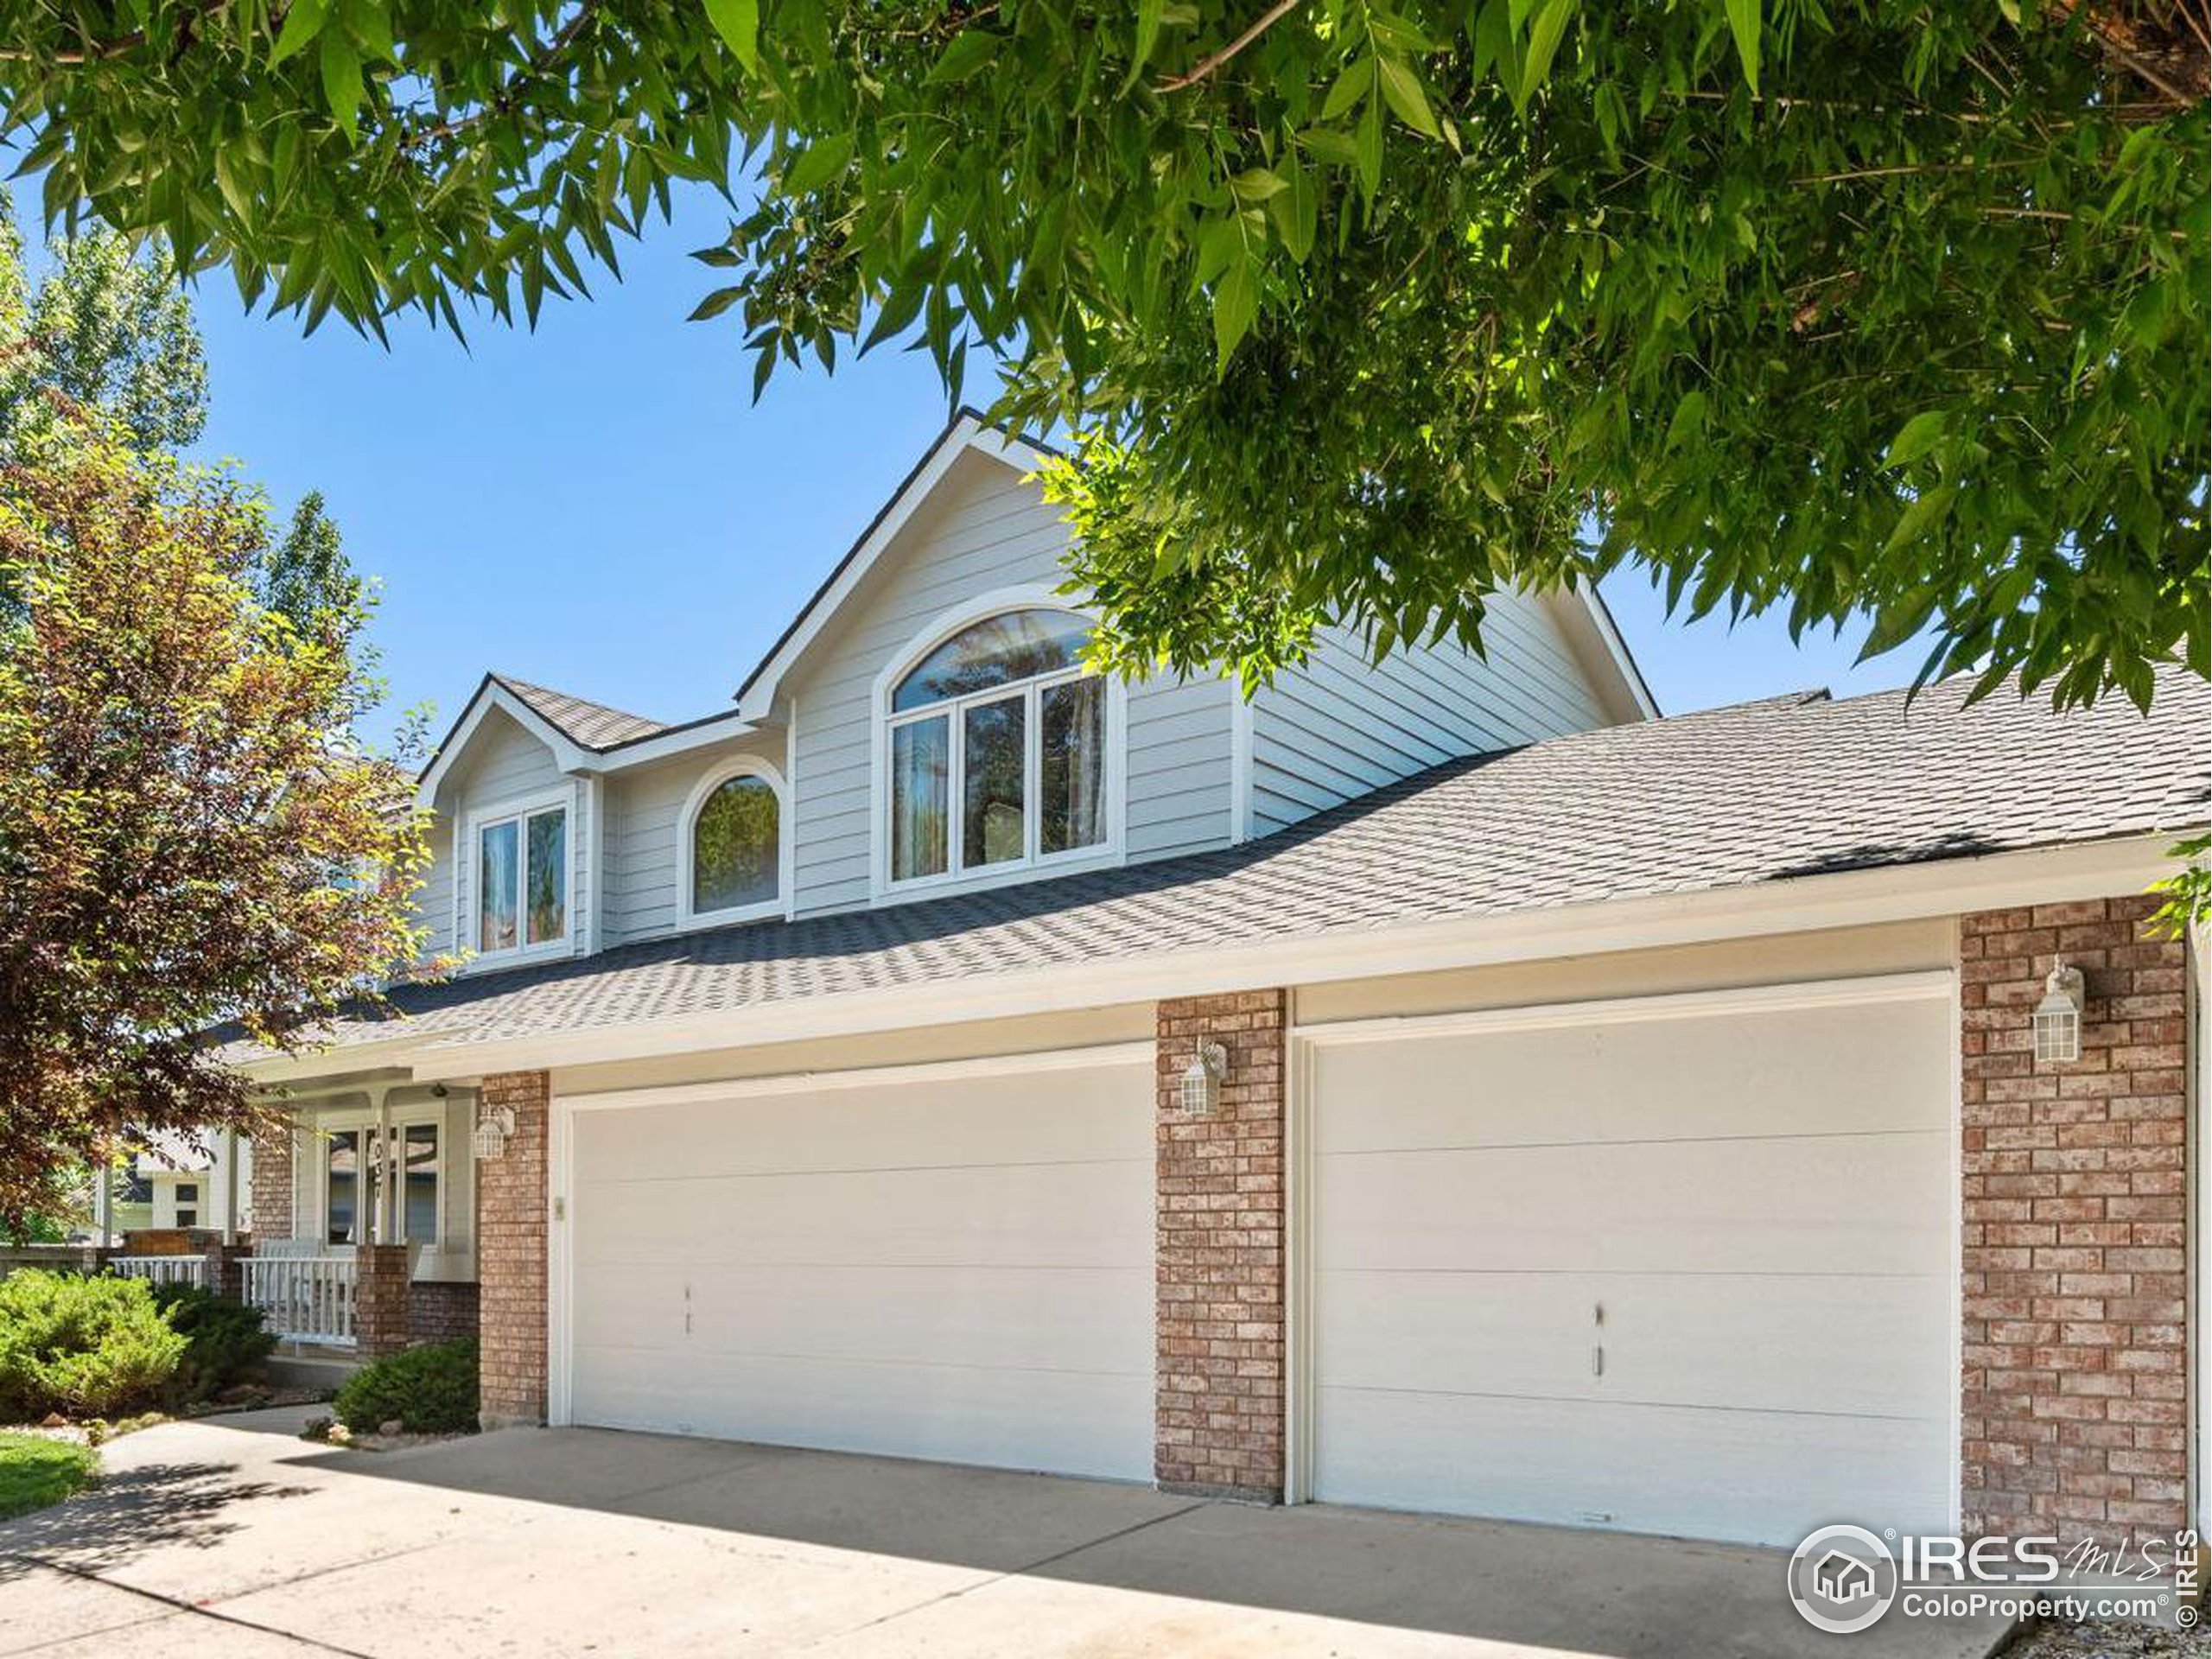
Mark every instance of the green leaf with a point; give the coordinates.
(1744, 23)
(1928, 510)
(971, 48)
(1543, 42)
(341, 80)
(821, 162)
(1297, 210)
(1236, 302)
(1257, 184)
(715, 304)
(1402, 85)
(1916, 437)
(1147, 37)
(737, 22)
(1369, 140)
(1899, 621)
(302, 23)
(1688, 422)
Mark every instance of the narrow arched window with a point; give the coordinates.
(737, 846)
(997, 748)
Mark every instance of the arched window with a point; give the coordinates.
(997, 749)
(736, 846)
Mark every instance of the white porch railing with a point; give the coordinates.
(163, 1269)
(307, 1297)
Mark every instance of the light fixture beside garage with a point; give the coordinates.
(2058, 1016)
(1202, 1079)
(493, 1125)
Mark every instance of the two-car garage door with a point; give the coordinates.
(1677, 1265)
(955, 1265)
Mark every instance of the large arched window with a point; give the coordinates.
(733, 845)
(997, 749)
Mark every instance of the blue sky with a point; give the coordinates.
(599, 506)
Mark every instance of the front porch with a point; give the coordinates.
(358, 1236)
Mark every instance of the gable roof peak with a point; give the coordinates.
(593, 725)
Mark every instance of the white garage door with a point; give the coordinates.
(955, 1267)
(1683, 1267)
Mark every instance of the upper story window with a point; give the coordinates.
(522, 879)
(735, 845)
(997, 749)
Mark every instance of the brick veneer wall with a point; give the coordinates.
(1219, 1424)
(512, 1223)
(438, 1312)
(2076, 1351)
(272, 1179)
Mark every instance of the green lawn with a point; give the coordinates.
(36, 1471)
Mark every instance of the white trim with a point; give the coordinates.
(1802, 903)
(1957, 1196)
(560, 1260)
(1090, 1058)
(560, 1158)
(466, 858)
(742, 766)
(966, 432)
(1619, 659)
(1297, 1263)
(1624, 1010)
(1306, 1040)
(568, 754)
(692, 734)
(981, 608)
(2197, 1035)
(1240, 765)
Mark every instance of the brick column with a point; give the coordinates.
(2076, 1351)
(380, 1318)
(272, 1179)
(511, 1234)
(1219, 1421)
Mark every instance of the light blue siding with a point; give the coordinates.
(1340, 725)
(504, 762)
(643, 894)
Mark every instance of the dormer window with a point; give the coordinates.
(996, 750)
(523, 874)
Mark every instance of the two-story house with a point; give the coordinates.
(1439, 1084)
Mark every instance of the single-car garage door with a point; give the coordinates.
(952, 1263)
(1680, 1265)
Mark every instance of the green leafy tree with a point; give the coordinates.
(1365, 310)
(104, 329)
(189, 838)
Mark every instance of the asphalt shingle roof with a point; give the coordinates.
(1730, 797)
(595, 725)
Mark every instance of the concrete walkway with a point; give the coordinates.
(231, 1537)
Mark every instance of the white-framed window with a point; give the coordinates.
(997, 751)
(522, 863)
(735, 851)
(357, 1162)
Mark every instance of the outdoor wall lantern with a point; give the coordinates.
(493, 1125)
(2058, 1016)
(1202, 1080)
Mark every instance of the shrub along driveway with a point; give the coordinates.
(228, 1535)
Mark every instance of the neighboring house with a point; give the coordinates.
(178, 1174)
(1441, 1085)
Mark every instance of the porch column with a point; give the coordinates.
(273, 1141)
(1218, 1194)
(2075, 1414)
(380, 1299)
(510, 1237)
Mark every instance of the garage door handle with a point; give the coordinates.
(1597, 1359)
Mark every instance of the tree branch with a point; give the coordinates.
(1213, 60)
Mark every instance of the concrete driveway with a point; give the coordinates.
(231, 1537)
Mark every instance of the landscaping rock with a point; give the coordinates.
(2104, 1638)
